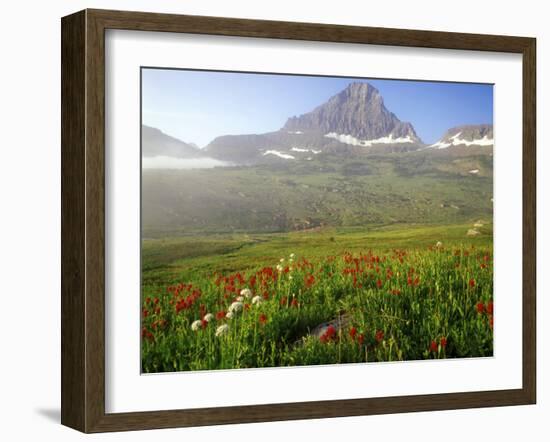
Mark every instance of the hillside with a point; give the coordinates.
(415, 187)
(156, 143)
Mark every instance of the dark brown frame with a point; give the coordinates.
(83, 216)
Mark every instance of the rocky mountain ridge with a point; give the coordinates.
(467, 135)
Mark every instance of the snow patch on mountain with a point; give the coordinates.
(301, 149)
(279, 154)
(349, 139)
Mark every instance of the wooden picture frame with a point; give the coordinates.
(83, 220)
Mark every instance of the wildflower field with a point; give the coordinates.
(325, 296)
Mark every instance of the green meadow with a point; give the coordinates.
(317, 296)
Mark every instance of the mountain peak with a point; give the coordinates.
(361, 90)
(357, 111)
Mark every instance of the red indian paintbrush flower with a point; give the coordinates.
(147, 334)
(262, 318)
(309, 280)
(472, 283)
(443, 342)
(379, 336)
(490, 308)
(352, 332)
(433, 346)
(480, 307)
(329, 333)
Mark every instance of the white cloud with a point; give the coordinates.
(164, 162)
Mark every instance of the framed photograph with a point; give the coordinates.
(267, 220)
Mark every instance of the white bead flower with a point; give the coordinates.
(208, 317)
(239, 298)
(257, 299)
(196, 325)
(236, 307)
(279, 268)
(247, 293)
(222, 329)
(229, 315)
(292, 255)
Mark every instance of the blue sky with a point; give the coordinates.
(197, 106)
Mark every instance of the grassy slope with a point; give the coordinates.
(190, 257)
